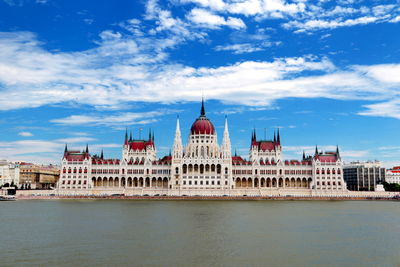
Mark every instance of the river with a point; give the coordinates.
(199, 233)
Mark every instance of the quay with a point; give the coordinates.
(206, 195)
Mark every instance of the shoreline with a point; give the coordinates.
(221, 198)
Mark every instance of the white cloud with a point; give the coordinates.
(302, 16)
(324, 24)
(388, 73)
(395, 19)
(33, 77)
(25, 134)
(207, 19)
(389, 109)
(240, 48)
(127, 118)
(46, 151)
(76, 140)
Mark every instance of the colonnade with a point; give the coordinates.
(111, 182)
(272, 182)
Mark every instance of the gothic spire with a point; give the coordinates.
(66, 149)
(337, 151)
(130, 137)
(226, 142)
(126, 136)
(304, 155)
(274, 137)
(177, 148)
(316, 150)
(87, 148)
(150, 138)
(102, 155)
(202, 111)
(278, 138)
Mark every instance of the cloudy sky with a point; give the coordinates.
(325, 72)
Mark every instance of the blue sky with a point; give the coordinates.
(324, 72)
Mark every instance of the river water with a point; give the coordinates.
(199, 233)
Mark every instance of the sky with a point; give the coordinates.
(324, 72)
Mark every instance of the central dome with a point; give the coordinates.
(202, 125)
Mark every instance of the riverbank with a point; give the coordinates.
(233, 194)
(308, 198)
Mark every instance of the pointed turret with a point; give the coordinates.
(126, 136)
(337, 151)
(102, 155)
(65, 149)
(278, 139)
(177, 149)
(274, 137)
(226, 142)
(130, 137)
(203, 110)
(150, 138)
(304, 155)
(316, 150)
(87, 149)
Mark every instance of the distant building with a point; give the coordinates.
(201, 165)
(363, 176)
(38, 177)
(9, 173)
(393, 175)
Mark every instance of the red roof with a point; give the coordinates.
(266, 145)
(237, 160)
(326, 158)
(165, 160)
(140, 144)
(202, 126)
(98, 161)
(76, 156)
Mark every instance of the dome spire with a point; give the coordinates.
(202, 111)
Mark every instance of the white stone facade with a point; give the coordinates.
(393, 175)
(9, 173)
(201, 166)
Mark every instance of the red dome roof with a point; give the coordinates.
(202, 126)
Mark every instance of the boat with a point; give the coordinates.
(7, 198)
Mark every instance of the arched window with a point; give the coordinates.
(317, 171)
(218, 169)
(177, 170)
(184, 168)
(226, 170)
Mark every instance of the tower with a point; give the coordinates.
(177, 149)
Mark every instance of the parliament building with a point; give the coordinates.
(201, 167)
